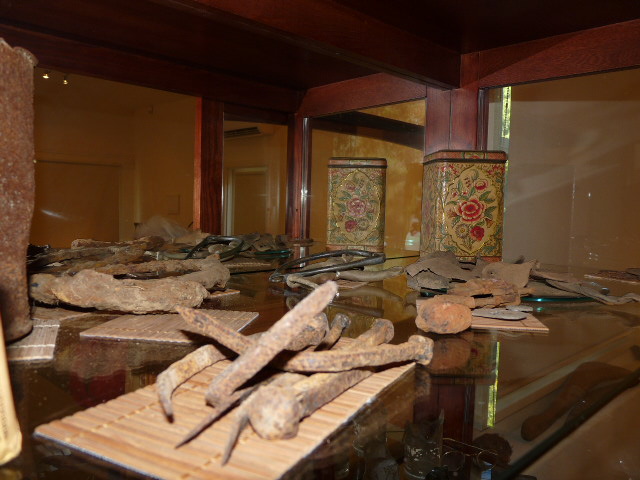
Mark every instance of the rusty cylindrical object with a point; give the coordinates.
(17, 186)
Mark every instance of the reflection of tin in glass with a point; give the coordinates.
(356, 203)
(462, 203)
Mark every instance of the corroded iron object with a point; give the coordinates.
(356, 203)
(17, 186)
(462, 203)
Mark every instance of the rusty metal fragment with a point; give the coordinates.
(17, 186)
(275, 410)
(91, 289)
(514, 273)
(272, 342)
(183, 369)
(441, 316)
(339, 324)
(147, 243)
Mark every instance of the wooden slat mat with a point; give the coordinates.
(529, 324)
(168, 328)
(131, 432)
(38, 345)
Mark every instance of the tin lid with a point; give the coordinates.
(357, 162)
(494, 156)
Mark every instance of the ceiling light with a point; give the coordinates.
(65, 80)
(45, 74)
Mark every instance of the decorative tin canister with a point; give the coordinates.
(356, 199)
(462, 203)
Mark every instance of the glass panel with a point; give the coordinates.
(109, 156)
(393, 132)
(255, 173)
(574, 162)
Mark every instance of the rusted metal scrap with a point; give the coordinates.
(205, 356)
(102, 253)
(91, 289)
(275, 407)
(17, 186)
(440, 315)
(272, 342)
(275, 412)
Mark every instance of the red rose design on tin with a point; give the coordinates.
(471, 210)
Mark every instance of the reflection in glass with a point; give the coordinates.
(255, 165)
(109, 155)
(393, 132)
(574, 161)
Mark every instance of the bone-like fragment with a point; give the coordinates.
(90, 289)
(271, 343)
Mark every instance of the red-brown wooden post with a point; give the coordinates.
(299, 176)
(207, 208)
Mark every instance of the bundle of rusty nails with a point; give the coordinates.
(299, 345)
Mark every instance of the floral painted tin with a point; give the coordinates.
(356, 203)
(462, 203)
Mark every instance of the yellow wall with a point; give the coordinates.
(404, 175)
(95, 145)
(164, 141)
(267, 150)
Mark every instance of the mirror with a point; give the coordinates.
(254, 177)
(108, 156)
(574, 162)
(393, 132)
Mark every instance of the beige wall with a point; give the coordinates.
(164, 141)
(97, 143)
(265, 152)
(574, 163)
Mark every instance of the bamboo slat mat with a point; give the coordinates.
(131, 432)
(166, 328)
(38, 345)
(529, 324)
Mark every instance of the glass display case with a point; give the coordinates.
(461, 416)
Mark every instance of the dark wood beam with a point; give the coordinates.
(363, 92)
(588, 51)
(81, 58)
(333, 29)
(208, 166)
(241, 113)
(373, 126)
